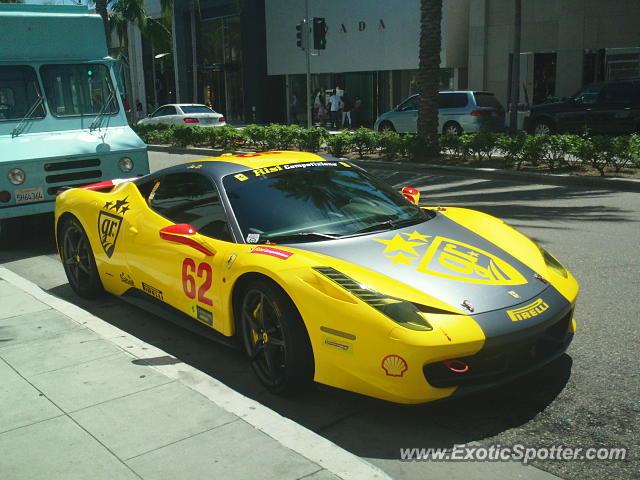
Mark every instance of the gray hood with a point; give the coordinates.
(443, 259)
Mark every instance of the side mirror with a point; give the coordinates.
(184, 233)
(397, 108)
(411, 194)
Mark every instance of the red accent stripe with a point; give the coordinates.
(274, 252)
(100, 185)
(190, 242)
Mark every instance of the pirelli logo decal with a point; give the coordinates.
(532, 310)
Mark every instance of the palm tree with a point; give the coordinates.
(429, 68)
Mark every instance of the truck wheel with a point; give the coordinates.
(10, 232)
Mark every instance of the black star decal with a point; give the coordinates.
(107, 205)
(124, 209)
(119, 204)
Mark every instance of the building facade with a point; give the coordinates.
(565, 44)
(371, 50)
(241, 57)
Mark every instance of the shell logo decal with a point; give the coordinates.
(394, 365)
(448, 258)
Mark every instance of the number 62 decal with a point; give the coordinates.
(203, 271)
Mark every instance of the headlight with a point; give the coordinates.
(552, 263)
(125, 164)
(17, 176)
(400, 311)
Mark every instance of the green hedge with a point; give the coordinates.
(549, 152)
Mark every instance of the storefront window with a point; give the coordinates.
(221, 75)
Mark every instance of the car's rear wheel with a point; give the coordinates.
(275, 338)
(452, 128)
(543, 127)
(78, 260)
(386, 126)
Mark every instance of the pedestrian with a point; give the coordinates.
(334, 110)
(321, 112)
(347, 105)
(139, 110)
(294, 109)
(357, 112)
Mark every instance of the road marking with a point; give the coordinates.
(285, 431)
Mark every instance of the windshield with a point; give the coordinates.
(310, 202)
(196, 109)
(74, 90)
(19, 93)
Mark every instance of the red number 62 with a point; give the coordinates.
(189, 281)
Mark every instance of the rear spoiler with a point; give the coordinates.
(104, 185)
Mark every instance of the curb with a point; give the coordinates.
(288, 433)
(620, 184)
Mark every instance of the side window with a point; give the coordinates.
(588, 95)
(411, 104)
(452, 100)
(617, 93)
(161, 112)
(170, 111)
(19, 93)
(191, 198)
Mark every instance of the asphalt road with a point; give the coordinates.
(587, 398)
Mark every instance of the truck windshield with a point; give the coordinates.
(74, 90)
(19, 92)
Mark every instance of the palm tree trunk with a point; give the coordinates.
(429, 68)
(101, 9)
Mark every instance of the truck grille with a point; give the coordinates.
(72, 171)
(71, 164)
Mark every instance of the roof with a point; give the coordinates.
(50, 32)
(227, 164)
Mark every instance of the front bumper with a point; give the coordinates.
(501, 364)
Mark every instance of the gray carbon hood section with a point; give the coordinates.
(443, 259)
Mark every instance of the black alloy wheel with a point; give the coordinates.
(78, 260)
(275, 338)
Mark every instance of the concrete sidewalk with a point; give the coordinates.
(82, 399)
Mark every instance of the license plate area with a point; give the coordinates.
(28, 195)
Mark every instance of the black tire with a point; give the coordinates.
(543, 127)
(78, 260)
(452, 128)
(275, 338)
(11, 232)
(386, 126)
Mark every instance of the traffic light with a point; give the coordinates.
(299, 37)
(319, 33)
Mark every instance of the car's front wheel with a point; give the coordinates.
(275, 338)
(78, 260)
(386, 126)
(543, 127)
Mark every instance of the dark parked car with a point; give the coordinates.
(602, 108)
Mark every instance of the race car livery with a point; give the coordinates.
(321, 272)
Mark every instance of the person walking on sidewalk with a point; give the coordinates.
(347, 105)
(334, 110)
(294, 109)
